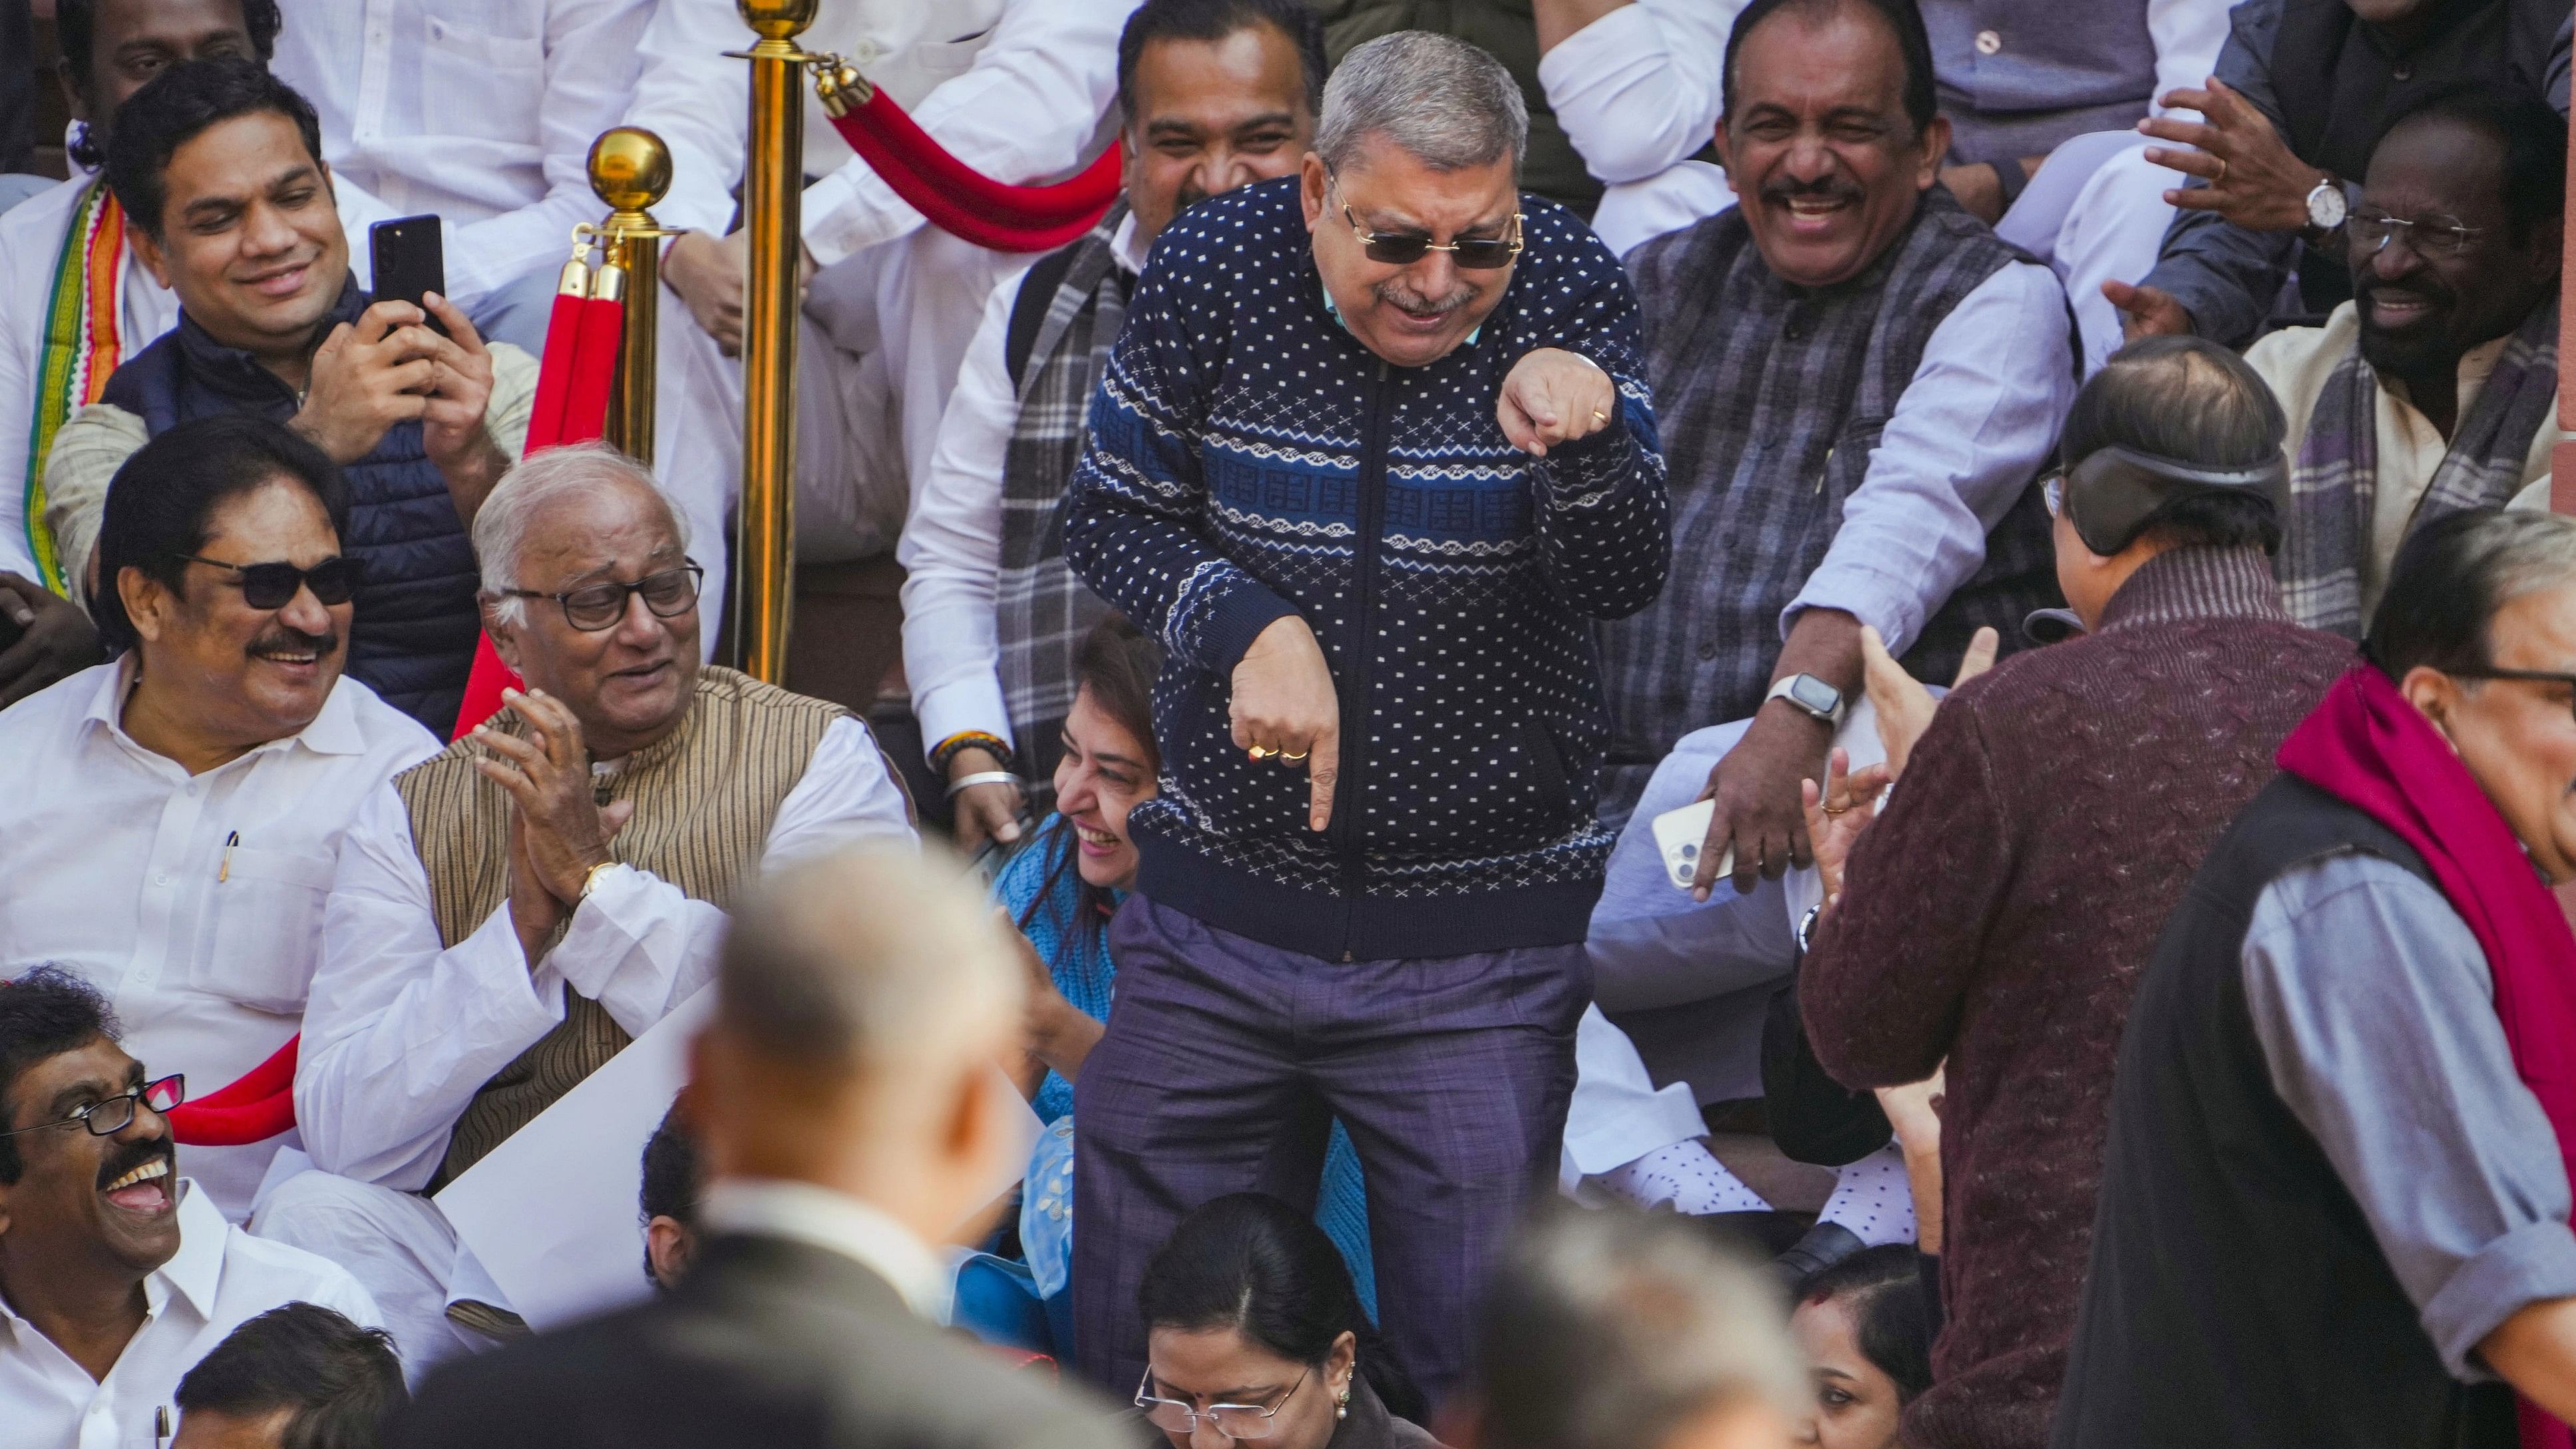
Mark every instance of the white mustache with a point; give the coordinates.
(1396, 293)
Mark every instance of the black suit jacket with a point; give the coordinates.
(767, 1343)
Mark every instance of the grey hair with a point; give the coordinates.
(533, 486)
(1445, 102)
(2451, 578)
(1608, 1328)
(875, 961)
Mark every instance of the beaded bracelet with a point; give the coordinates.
(948, 748)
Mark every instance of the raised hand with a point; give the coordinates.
(2254, 179)
(1904, 707)
(2147, 311)
(1837, 812)
(1552, 396)
(1285, 709)
(565, 833)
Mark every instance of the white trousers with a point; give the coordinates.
(878, 347)
(2096, 212)
(397, 1244)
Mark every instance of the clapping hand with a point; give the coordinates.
(1903, 705)
(559, 832)
(1837, 812)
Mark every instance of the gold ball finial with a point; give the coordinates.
(630, 168)
(777, 19)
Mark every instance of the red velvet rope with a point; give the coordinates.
(966, 203)
(257, 1107)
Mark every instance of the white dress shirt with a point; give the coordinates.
(835, 1221)
(194, 902)
(400, 1034)
(1016, 89)
(481, 111)
(951, 546)
(1971, 430)
(219, 1278)
(31, 245)
(1638, 92)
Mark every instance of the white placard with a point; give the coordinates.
(551, 1214)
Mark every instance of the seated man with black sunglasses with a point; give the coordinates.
(168, 819)
(507, 916)
(116, 1274)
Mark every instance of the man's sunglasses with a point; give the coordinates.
(1404, 248)
(274, 585)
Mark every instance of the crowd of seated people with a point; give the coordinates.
(1372, 679)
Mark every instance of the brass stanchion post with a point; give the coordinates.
(630, 169)
(773, 182)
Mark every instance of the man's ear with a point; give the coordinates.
(148, 251)
(73, 100)
(149, 603)
(1936, 145)
(2434, 694)
(1310, 189)
(1725, 150)
(2547, 239)
(504, 635)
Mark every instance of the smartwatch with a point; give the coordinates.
(1812, 696)
(2327, 207)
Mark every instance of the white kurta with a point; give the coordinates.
(400, 1033)
(481, 111)
(219, 1278)
(195, 902)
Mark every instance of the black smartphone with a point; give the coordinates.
(410, 261)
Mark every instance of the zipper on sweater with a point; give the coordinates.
(1344, 831)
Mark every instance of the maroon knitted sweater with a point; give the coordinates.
(1999, 912)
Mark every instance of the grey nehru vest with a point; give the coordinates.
(2016, 77)
(1771, 398)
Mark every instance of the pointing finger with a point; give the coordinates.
(1323, 772)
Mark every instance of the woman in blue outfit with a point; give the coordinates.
(1060, 890)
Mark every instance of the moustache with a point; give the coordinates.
(1395, 292)
(2426, 289)
(1784, 189)
(286, 639)
(133, 1155)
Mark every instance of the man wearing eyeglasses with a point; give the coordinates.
(506, 917)
(216, 165)
(2435, 389)
(1372, 453)
(116, 1273)
(168, 820)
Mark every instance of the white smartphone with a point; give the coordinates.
(1679, 834)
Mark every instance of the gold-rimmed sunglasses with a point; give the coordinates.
(1404, 248)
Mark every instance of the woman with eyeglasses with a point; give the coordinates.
(1059, 891)
(1253, 1333)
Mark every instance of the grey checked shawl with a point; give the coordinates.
(1041, 610)
(1772, 398)
(2334, 480)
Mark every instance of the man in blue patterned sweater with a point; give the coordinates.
(1372, 454)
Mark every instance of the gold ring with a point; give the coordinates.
(1599, 416)
(1839, 809)
(1260, 753)
(2221, 178)
(1297, 759)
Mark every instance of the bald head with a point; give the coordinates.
(863, 1005)
(872, 962)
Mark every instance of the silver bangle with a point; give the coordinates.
(981, 777)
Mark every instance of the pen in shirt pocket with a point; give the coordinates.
(224, 872)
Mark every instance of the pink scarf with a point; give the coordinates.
(2366, 746)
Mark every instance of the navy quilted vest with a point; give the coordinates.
(412, 640)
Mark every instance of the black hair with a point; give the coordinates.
(2194, 401)
(1902, 17)
(1251, 1263)
(178, 105)
(2532, 133)
(671, 1182)
(163, 499)
(1882, 1289)
(1215, 20)
(2451, 577)
(1118, 663)
(76, 24)
(341, 1380)
(43, 1014)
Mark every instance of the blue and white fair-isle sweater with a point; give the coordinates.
(1247, 459)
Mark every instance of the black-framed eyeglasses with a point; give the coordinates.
(110, 1115)
(274, 585)
(2528, 676)
(2052, 491)
(1404, 248)
(2432, 236)
(1234, 1421)
(594, 607)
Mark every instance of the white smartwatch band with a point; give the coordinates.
(1788, 689)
